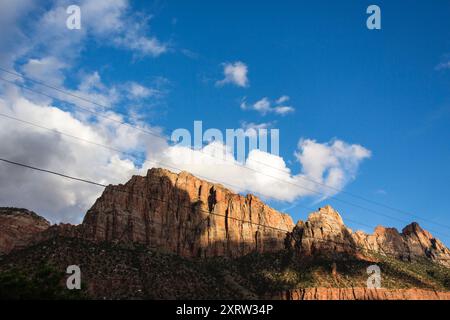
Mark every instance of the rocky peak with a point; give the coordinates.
(186, 215)
(325, 233)
(384, 231)
(415, 229)
(326, 215)
(196, 218)
(17, 228)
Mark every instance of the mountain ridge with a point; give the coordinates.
(155, 226)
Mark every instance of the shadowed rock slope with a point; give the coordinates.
(17, 228)
(174, 236)
(324, 233)
(186, 215)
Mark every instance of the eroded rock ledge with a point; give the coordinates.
(17, 228)
(324, 233)
(359, 294)
(186, 215)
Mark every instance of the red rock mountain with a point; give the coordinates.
(359, 294)
(17, 228)
(195, 218)
(192, 218)
(186, 215)
(324, 232)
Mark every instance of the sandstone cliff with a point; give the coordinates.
(319, 258)
(17, 227)
(324, 233)
(359, 294)
(186, 215)
(195, 218)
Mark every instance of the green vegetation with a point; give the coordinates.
(118, 271)
(43, 283)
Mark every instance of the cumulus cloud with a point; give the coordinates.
(332, 164)
(234, 73)
(48, 69)
(13, 40)
(108, 22)
(265, 106)
(60, 199)
(48, 51)
(126, 30)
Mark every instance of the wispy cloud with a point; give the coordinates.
(252, 125)
(234, 73)
(443, 65)
(265, 106)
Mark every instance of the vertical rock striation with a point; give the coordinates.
(17, 228)
(186, 215)
(324, 233)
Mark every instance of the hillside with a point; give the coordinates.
(174, 236)
(118, 271)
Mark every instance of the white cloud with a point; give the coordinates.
(443, 66)
(56, 198)
(112, 13)
(126, 30)
(92, 88)
(262, 106)
(141, 44)
(282, 99)
(334, 163)
(13, 41)
(48, 69)
(252, 125)
(234, 73)
(265, 106)
(256, 129)
(283, 110)
(109, 22)
(138, 91)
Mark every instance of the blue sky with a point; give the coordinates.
(386, 90)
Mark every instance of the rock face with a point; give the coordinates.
(17, 228)
(186, 215)
(360, 294)
(325, 233)
(195, 218)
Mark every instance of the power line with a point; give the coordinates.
(115, 189)
(339, 190)
(155, 162)
(157, 135)
(52, 172)
(200, 210)
(128, 153)
(66, 134)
